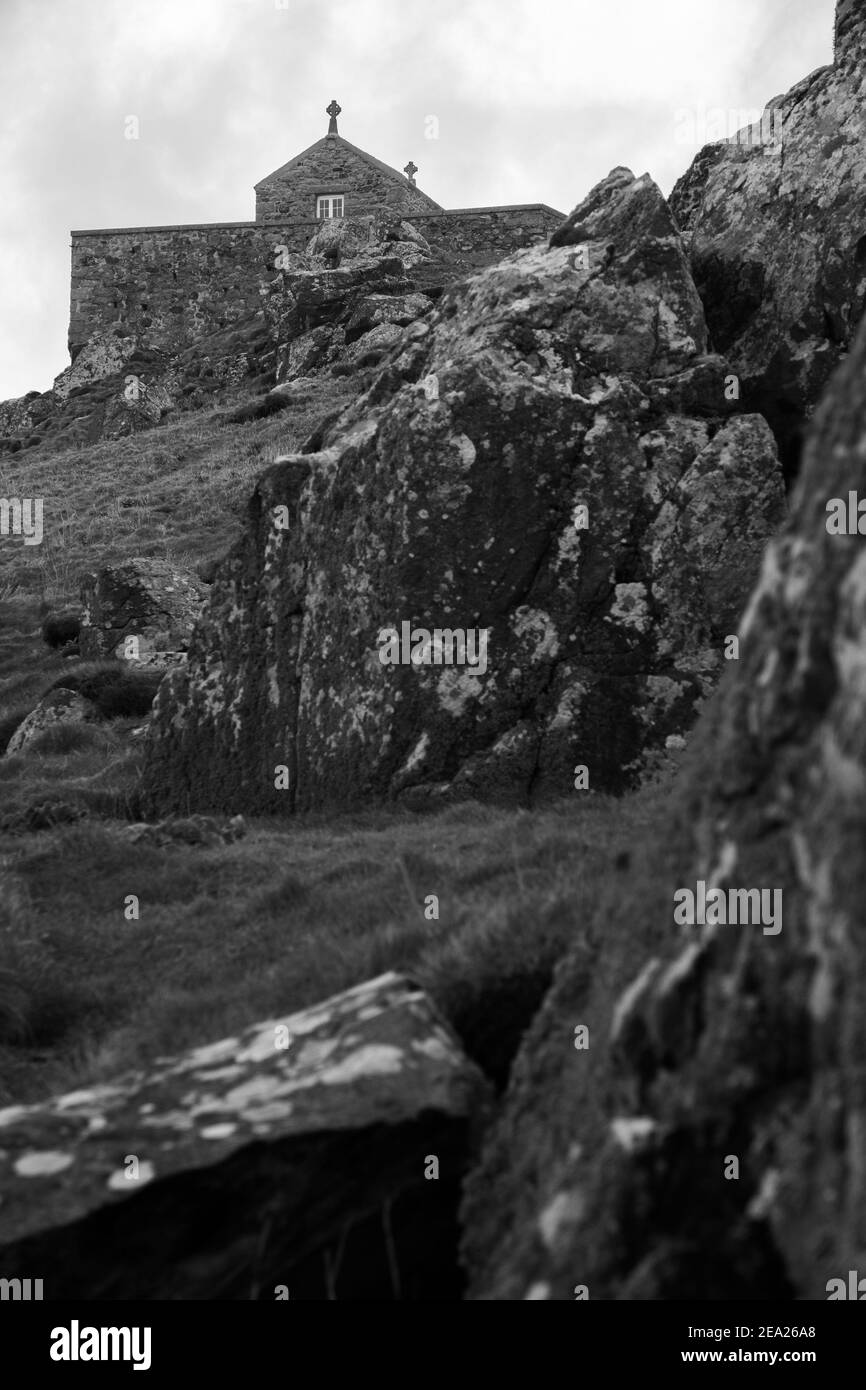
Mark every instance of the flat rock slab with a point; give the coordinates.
(292, 1155)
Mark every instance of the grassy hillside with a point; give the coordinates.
(176, 492)
(291, 912)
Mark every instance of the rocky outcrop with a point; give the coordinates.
(310, 314)
(321, 302)
(19, 417)
(380, 233)
(315, 1156)
(59, 706)
(773, 219)
(549, 468)
(139, 611)
(104, 355)
(706, 1137)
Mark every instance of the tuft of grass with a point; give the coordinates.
(59, 629)
(73, 737)
(10, 720)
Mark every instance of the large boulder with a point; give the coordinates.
(381, 233)
(152, 601)
(707, 1137)
(548, 467)
(315, 1156)
(57, 707)
(773, 219)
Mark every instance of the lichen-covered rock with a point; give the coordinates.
(380, 233)
(353, 278)
(321, 1152)
(377, 309)
(548, 467)
(151, 601)
(104, 354)
(773, 219)
(21, 415)
(710, 1140)
(57, 707)
(306, 300)
(340, 239)
(379, 340)
(306, 352)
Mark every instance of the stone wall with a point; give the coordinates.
(171, 286)
(501, 230)
(335, 166)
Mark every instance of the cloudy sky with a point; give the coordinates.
(533, 102)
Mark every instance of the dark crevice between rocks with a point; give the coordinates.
(788, 426)
(732, 294)
(491, 1025)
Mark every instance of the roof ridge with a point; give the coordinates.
(283, 167)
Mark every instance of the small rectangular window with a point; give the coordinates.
(330, 205)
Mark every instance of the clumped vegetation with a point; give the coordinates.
(59, 629)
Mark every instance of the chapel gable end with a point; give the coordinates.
(333, 178)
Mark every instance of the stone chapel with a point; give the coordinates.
(167, 286)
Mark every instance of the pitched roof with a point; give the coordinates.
(361, 154)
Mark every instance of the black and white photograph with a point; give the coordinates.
(432, 672)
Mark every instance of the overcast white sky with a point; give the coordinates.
(536, 100)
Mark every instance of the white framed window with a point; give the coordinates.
(329, 205)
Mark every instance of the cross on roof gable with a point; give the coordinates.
(327, 141)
